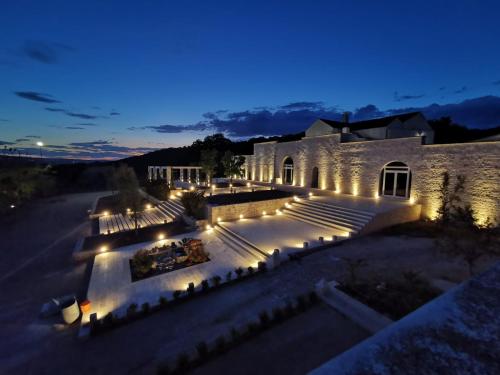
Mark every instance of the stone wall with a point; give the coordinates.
(248, 209)
(355, 168)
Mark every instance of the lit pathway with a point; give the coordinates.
(111, 288)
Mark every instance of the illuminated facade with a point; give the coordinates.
(390, 158)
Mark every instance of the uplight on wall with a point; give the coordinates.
(264, 213)
(103, 249)
(219, 219)
(241, 216)
(105, 213)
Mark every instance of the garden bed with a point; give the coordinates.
(111, 203)
(146, 234)
(393, 298)
(166, 258)
(255, 196)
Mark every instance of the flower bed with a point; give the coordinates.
(111, 204)
(166, 258)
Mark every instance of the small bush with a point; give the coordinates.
(162, 301)
(238, 272)
(250, 270)
(145, 308)
(301, 303)
(288, 310)
(220, 344)
(264, 318)
(182, 362)
(108, 320)
(131, 310)
(229, 276)
(252, 328)
(202, 349)
(204, 285)
(262, 266)
(177, 294)
(190, 289)
(278, 314)
(216, 280)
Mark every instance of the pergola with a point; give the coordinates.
(167, 173)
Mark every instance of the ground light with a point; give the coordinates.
(105, 213)
(412, 200)
(248, 184)
(191, 188)
(264, 213)
(241, 216)
(311, 194)
(172, 196)
(148, 206)
(219, 219)
(161, 236)
(12, 206)
(376, 196)
(103, 249)
(208, 227)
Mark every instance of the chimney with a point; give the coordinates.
(345, 117)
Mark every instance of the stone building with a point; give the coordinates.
(386, 158)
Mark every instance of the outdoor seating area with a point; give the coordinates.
(167, 258)
(119, 223)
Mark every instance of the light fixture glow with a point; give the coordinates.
(264, 213)
(161, 236)
(103, 249)
(39, 144)
(219, 219)
(241, 216)
(105, 213)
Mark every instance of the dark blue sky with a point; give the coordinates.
(106, 79)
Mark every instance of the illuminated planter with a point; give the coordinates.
(70, 311)
(85, 306)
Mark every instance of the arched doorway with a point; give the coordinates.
(395, 180)
(315, 178)
(288, 171)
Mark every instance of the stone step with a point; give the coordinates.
(317, 222)
(331, 216)
(263, 254)
(333, 207)
(166, 212)
(331, 220)
(235, 244)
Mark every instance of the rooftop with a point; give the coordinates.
(373, 123)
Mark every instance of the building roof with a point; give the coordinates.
(380, 122)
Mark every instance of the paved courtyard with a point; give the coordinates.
(280, 232)
(111, 287)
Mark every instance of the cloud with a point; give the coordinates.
(87, 124)
(442, 88)
(73, 127)
(114, 113)
(3, 120)
(20, 140)
(32, 136)
(461, 90)
(36, 96)
(496, 82)
(400, 98)
(4, 143)
(83, 116)
(302, 105)
(45, 52)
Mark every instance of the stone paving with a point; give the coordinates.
(111, 287)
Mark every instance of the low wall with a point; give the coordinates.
(248, 209)
(389, 218)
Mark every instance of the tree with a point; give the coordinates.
(130, 198)
(449, 201)
(232, 165)
(353, 266)
(194, 202)
(208, 163)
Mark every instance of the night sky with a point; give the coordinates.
(107, 79)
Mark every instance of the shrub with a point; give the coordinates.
(301, 303)
(229, 276)
(238, 272)
(252, 328)
(204, 285)
(108, 320)
(142, 263)
(250, 270)
(262, 266)
(145, 308)
(216, 280)
(288, 310)
(278, 314)
(182, 362)
(177, 294)
(264, 318)
(162, 300)
(131, 310)
(190, 289)
(220, 344)
(202, 349)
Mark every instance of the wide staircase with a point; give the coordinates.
(172, 208)
(327, 215)
(239, 244)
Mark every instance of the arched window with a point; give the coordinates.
(395, 180)
(314, 178)
(288, 171)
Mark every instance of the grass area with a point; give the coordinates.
(120, 239)
(111, 203)
(419, 228)
(394, 297)
(264, 195)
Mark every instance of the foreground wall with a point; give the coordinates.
(354, 168)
